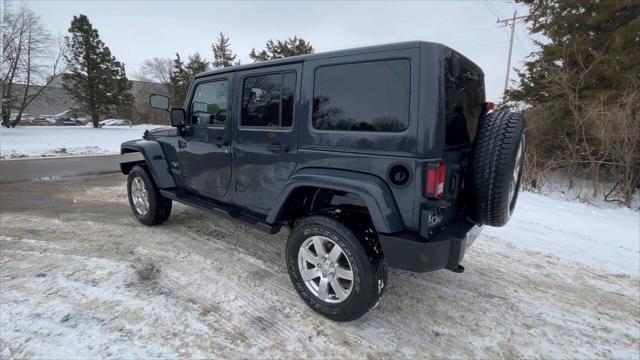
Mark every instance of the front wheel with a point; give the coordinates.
(147, 204)
(334, 269)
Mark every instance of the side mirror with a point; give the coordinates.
(177, 117)
(158, 101)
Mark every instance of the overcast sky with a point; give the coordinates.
(137, 30)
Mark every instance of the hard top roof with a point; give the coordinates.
(323, 55)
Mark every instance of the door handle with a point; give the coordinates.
(277, 147)
(182, 144)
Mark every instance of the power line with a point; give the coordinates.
(521, 44)
(459, 32)
(413, 38)
(497, 10)
(491, 9)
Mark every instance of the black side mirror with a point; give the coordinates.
(177, 117)
(158, 101)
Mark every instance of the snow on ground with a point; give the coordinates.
(45, 141)
(607, 239)
(82, 279)
(557, 185)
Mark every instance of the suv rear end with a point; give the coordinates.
(444, 204)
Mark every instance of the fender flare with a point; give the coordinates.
(153, 157)
(373, 190)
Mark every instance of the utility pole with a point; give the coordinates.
(510, 22)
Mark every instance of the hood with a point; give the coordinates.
(158, 132)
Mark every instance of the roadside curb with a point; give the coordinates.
(28, 169)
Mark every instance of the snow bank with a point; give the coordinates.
(608, 239)
(36, 141)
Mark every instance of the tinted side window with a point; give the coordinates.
(209, 103)
(368, 96)
(267, 100)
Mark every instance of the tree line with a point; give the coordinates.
(32, 59)
(581, 94)
(175, 74)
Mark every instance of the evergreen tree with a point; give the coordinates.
(96, 80)
(580, 91)
(598, 36)
(281, 49)
(197, 65)
(222, 55)
(182, 74)
(178, 82)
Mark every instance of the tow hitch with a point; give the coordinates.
(458, 269)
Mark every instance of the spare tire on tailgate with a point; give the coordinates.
(498, 153)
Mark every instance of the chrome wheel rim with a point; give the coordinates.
(140, 195)
(516, 172)
(325, 269)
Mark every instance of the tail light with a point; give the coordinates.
(489, 105)
(434, 181)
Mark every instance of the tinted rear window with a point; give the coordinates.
(464, 98)
(367, 96)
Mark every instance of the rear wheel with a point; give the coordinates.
(147, 204)
(498, 155)
(336, 268)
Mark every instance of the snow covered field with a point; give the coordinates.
(41, 141)
(82, 279)
(607, 239)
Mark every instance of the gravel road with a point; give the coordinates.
(80, 278)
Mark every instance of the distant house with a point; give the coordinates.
(54, 100)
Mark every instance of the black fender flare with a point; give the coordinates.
(153, 157)
(373, 190)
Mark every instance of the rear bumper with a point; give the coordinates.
(409, 251)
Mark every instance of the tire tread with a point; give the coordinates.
(493, 162)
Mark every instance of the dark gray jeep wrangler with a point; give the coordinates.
(372, 156)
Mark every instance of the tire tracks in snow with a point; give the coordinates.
(230, 281)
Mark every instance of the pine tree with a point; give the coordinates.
(182, 74)
(178, 82)
(281, 49)
(122, 96)
(601, 37)
(96, 80)
(580, 91)
(197, 65)
(222, 55)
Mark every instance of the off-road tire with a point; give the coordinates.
(494, 163)
(361, 247)
(159, 206)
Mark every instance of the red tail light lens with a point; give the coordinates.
(489, 105)
(435, 179)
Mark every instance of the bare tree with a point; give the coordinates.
(566, 82)
(617, 130)
(31, 60)
(156, 70)
(597, 136)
